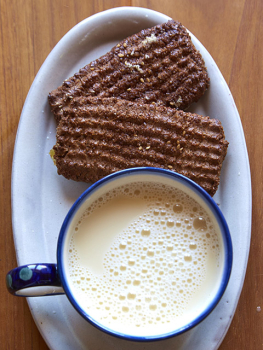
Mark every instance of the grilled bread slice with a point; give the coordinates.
(157, 65)
(98, 136)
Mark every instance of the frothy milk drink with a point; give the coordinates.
(144, 257)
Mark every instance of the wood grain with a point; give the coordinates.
(232, 32)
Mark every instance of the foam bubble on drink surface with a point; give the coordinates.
(154, 268)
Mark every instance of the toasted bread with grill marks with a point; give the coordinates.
(98, 136)
(157, 65)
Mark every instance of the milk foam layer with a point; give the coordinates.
(145, 270)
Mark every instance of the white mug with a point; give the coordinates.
(143, 254)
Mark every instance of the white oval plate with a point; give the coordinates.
(41, 198)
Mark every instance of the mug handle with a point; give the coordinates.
(34, 280)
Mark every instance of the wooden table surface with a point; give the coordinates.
(231, 30)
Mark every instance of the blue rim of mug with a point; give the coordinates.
(227, 242)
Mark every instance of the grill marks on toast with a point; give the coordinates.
(96, 137)
(158, 64)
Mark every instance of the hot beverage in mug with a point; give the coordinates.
(144, 254)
